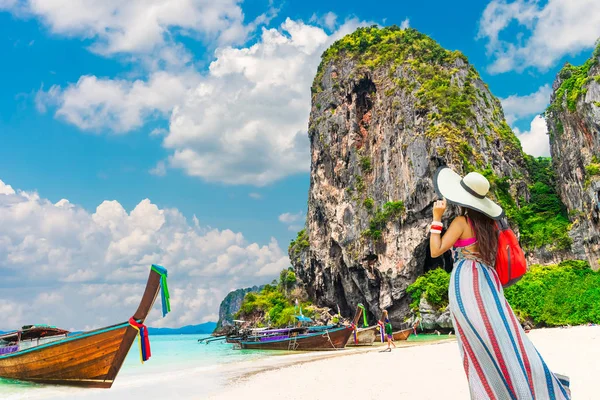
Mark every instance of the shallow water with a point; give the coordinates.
(171, 355)
(428, 337)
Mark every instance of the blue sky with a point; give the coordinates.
(207, 115)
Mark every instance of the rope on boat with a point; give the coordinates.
(164, 293)
(143, 339)
(329, 338)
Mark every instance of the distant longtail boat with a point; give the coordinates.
(89, 359)
(364, 336)
(330, 338)
(403, 334)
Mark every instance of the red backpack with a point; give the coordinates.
(511, 264)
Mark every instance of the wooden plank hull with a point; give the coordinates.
(364, 337)
(84, 361)
(90, 359)
(403, 334)
(330, 340)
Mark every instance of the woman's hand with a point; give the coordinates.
(438, 209)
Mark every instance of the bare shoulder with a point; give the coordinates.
(461, 220)
(459, 224)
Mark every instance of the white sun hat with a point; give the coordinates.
(470, 191)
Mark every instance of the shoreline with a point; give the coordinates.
(415, 369)
(424, 370)
(326, 355)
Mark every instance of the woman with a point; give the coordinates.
(499, 359)
(388, 331)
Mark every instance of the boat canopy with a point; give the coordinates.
(28, 332)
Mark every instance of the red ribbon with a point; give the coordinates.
(146, 353)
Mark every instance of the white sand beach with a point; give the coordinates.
(416, 370)
(422, 372)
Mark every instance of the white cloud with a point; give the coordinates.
(288, 218)
(6, 189)
(159, 170)
(7, 4)
(219, 120)
(328, 20)
(255, 196)
(552, 30)
(535, 141)
(292, 220)
(239, 111)
(137, 26)
(120, 105)
(516, 107)
(295, 228)
(158, 132)
(405, 24)
(12, 312)
(101, 259)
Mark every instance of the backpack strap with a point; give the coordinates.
(502, 224)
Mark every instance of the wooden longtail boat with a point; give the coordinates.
(364, 336)
(263, 334)
(330, 338)
(403, 334)
(32, 333)
(89, 359)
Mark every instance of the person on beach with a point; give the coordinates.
(499, 359)
(388, 331)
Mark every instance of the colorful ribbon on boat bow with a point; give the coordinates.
(352, 327)
(164, 293)
(144, 341)
(364, 313)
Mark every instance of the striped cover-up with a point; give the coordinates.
(499, 359)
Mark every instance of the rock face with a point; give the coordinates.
(433, 319)
(389, 106)
(231, 305)
(573, 120)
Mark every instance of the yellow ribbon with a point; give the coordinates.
(139, 336)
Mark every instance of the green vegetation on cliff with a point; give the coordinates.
(567, 293)
(573, 81)
(551, 295)
(300, 243)
(591, 170)
(378, 222)
(543, 219)
(373, 47)
(231, 302)
(434, 286)
(444, 87)
(275, 303)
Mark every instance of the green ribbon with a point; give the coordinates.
(165, 296)
(364, 313)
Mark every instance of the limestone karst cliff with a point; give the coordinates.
(231, 305)
(388, 107)
(573, 119)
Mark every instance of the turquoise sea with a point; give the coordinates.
(429, 337)
(180, 367)
(172, 357)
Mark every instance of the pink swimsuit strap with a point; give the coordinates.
(465, 242)
(469, 241)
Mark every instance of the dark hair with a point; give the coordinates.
(486, 233)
